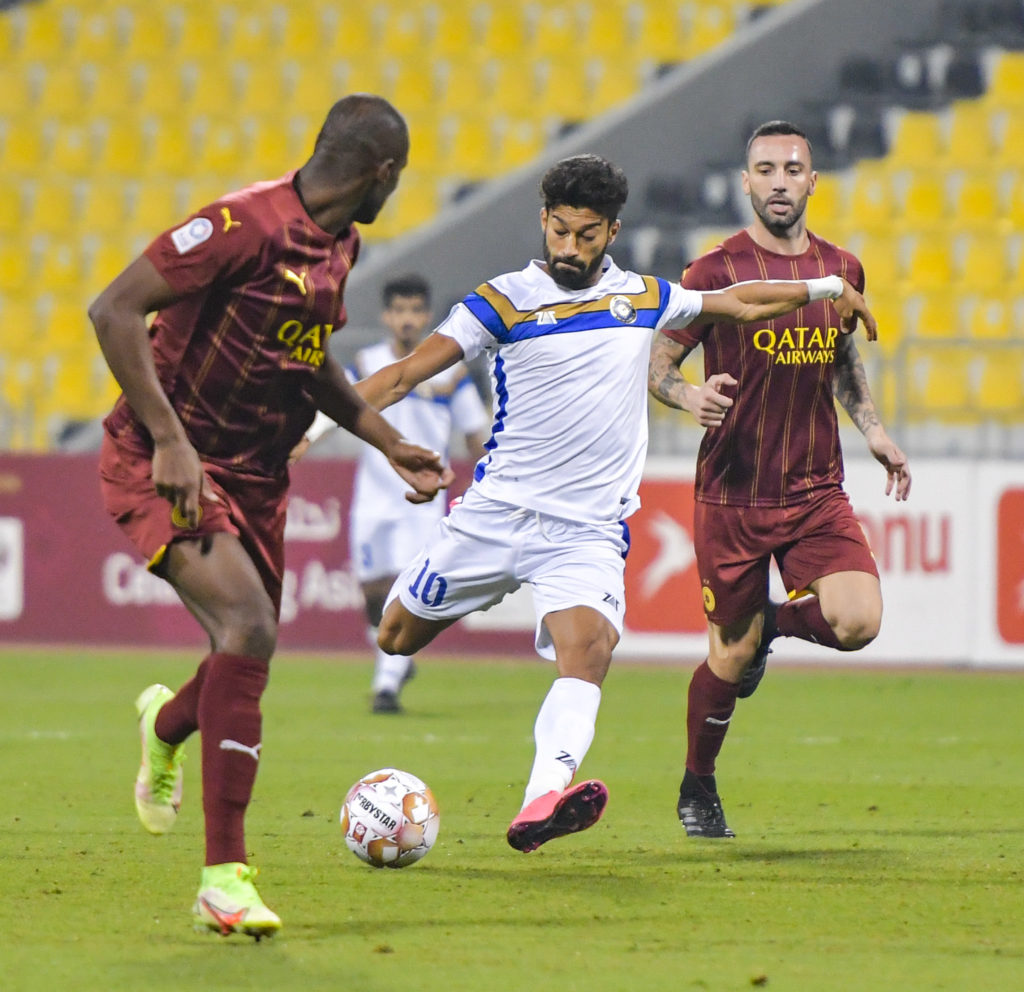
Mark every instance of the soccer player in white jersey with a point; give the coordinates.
(385, 530)
(568, 339)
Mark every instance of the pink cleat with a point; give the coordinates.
(556, 814)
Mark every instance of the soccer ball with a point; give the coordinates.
(389, 819)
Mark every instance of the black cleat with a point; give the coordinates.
(755, 670)
(700, 813)
(386, 701)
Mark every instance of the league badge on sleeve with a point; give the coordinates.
(195, 232)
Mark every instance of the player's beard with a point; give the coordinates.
(779, 225)
(571, 273)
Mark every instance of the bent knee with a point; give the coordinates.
(856, 632)
(250, 632)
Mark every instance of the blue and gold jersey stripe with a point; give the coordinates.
(508, 324)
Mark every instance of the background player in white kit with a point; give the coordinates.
(385, 530)
(568, 339)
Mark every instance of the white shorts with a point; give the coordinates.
(483, 550)
(381, 547)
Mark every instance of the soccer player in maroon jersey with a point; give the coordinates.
(194, 464)
(770, 469)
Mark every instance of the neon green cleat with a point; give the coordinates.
(229, 903)
(158, 784)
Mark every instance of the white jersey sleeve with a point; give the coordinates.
(469, 333)
(682, 307)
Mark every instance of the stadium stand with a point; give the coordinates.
(119, 117)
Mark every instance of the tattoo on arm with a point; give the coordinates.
(851, 386)
(665, 381)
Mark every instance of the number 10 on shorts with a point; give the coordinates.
(429, 587)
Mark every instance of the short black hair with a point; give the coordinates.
(585, 181)
(410, 284)
(778, 127)
(363, 129)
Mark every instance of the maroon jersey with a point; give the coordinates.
(779, 443)
(261, 290)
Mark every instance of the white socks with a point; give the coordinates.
(389, 669)
(562, 734)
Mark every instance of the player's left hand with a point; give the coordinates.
(851, 308)
(422, 469)
(889, 455)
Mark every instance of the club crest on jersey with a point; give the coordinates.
(622, 309)
(195, 232)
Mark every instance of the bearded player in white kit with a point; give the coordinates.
(568, 340)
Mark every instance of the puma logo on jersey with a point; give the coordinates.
(228, 222)
(230, 745)
(299, 278)
(547, 317)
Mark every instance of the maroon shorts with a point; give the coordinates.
(251, 507)
(735, 544)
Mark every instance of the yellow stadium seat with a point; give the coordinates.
(1006, 87)
(711, 24)
(353, 30)
(925, 200)
(54, 206)
(515, 91)
(301, 32)
(970, 139)
(169, 151)
(503, 30)
(554, 31)
(64, 325)
(918, 140)
(871, 201)
(932, 316)
(451, 31)
(940, 384)
(103, 208)
(827, 206)
(17, 323)
(16, 267)
(43, 38)
(929, 265)
(59, 266)
(982, 264)
(404, 30)
(989, 318)
(249, 34)
(463, 84)
(517, 142)
(882, 256)
(161, 90)
(73, 152)
(468, 152)
(1000, 388)
(661, 32)
(26, 146)
(604, 27)
(148, 34)
(98, 34)
(562, 88)
(1010, 141)
(976, 201)
(14, 209)
(120, 147)
(888, 308)
(198, 33)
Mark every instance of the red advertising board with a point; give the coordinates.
(1010, 566)
(662, 586)
(68, 575)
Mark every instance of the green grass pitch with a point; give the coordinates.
(880, 823)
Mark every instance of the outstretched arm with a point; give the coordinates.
(338, 398)
(388, 385)
(851, 389)
(747, 301)
(666, 383)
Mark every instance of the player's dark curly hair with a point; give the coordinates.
(410, 284)
(777, 127)
(585, 181)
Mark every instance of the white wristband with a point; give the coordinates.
(829, 288)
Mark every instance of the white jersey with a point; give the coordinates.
(428, 416)
(569, 370)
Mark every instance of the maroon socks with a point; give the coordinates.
(709, 709)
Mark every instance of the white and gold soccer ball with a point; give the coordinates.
(389, 819)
